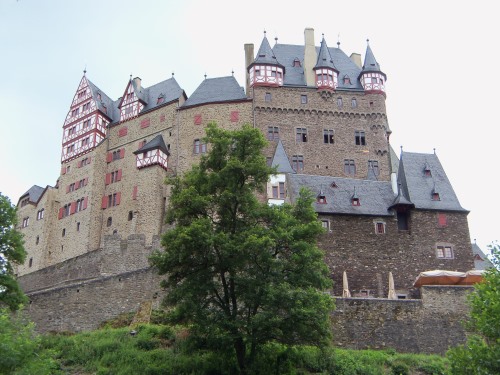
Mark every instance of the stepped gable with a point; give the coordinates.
(374, 196)
(154, 144)
(34, 193)
(419, 188)
(216, 90)
(280, 160)
(294, 76)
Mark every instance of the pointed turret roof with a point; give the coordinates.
(280, 160)
(370, 64)
(154, 144)
(401, 199)
(324, 58)
(266, 54)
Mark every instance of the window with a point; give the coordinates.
(273, 133)
(26, 222)
(355, 202)
(75, 112)
(442, 220)
(321, 199)
(444, 251)
(339, 102)
(349, 167)
(303, 99)
(279, 191)
(354, 103)
(71, 187)
(130, 96)
(296, 63)
(37, 240)
(359, 138)
(267, 97)
(199, 147)
(427, 173)
(64, 232)
(373, 165)
(79, 204)
(40, 213)
(30, 264)
(81, 94)
(347, 80)
(160, 99)
(86, 124)
(70, 149)
(435, 197)
(130, 215)
(379, 227)
(24, 202)
(298, 163)
(128, 110)
(403, 217)
(109, 221)
(326, 225)
(301, 135)
(116, 155)
(86, 107)
(66, 210)
(78, 227)
(328, 136)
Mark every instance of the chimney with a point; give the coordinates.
(137, 83)
(310, 57)
(249, 56)
(356, 59)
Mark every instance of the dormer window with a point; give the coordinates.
(321, 199)
(160, 99)
(347, 80)
(296, 63)
(334, 185)
(98, 96)
(355, 202)
(435, 196)
(427, 173)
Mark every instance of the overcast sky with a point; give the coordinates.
(440, 58)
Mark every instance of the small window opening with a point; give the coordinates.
(267, 97)
(78, 227)
(435, 197)
(130, 215)
(64, 232)
(109, 221)
(303, 99)
(356, 202)
(37, 240)
(30, 264)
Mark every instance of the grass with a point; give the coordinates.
(162, 349)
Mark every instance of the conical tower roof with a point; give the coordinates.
(266, 54)
(324, 58)
(280, 160)
(370, 64)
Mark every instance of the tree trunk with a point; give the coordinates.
(240, 349)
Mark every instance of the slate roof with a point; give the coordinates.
(105, 105)
(154, 144)
(419, 188)
(374, 196)
(34, 193)
(216, 90)
(324, 58)
(280, 160)
(481, 261)
(265, 55)
(294, 76)
(370, 64)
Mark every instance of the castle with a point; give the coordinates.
(324, 115)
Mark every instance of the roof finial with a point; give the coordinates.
(232, 72)
(475, 241)
(172, 74)
(205, 75)
(323, 36)
(367, 41)
(264, 33)
(85, 70)
(434, 150)
(275, 40)
(131, 76)
(338, 40)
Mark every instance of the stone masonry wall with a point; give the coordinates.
(430, 325)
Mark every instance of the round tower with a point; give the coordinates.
(371, 77)
(325, 70)
(265, 69)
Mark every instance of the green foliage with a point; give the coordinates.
(481, 354)
(239, 271)
(11, 252)
(19, 348)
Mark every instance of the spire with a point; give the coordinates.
(266, 54)
(371, 64)
(324, 58)
(280, 160)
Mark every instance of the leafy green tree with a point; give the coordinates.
(11, 252)
(481, 354)
(240, 272)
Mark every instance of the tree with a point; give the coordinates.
(11, 252)
(481, 354)
(238, 270)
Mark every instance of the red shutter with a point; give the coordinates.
(108, 178)
(235, 115)
(145, 123)
(104, 202)
(60, 215)
(119, 175)
(134, 193)
(109, 157)
(118, 198)
(123, 132)
(89, 160)
(85, 202)
(122, 153)
(63, 170)
(73, 208)
(77, 185)
(197, 119)
(162, 118)
(442, 220)
(67, 189)
(79, 164)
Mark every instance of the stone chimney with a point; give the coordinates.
(137, 83)
(356, 59)
(249, 56)
(310, 57)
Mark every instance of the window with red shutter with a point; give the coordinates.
(197, 119)
(61, 213)
(109, 157)
(63, 170)
(122, 153)
(104, 202)
(118, 198)
(73, 208)
(123, 132)
(442, 220)
(119, 175)
(85, 202)
(235, 115)
(108, 178)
